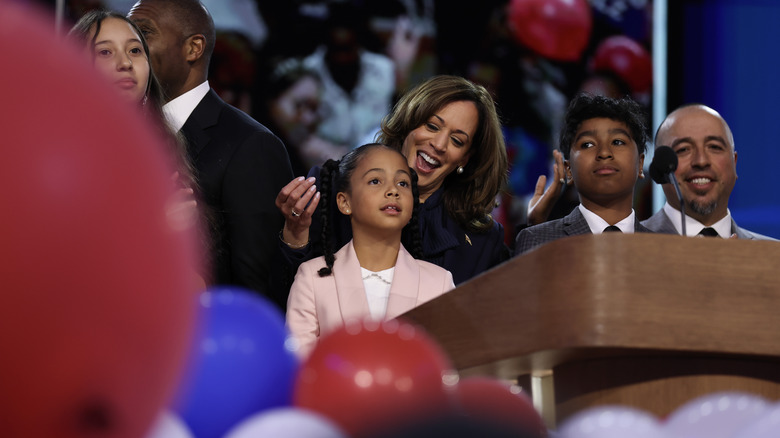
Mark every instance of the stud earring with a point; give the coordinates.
(349, 211)
(459, 170)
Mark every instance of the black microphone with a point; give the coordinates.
(662, 171)
(664, 163)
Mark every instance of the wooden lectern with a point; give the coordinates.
(645, 320)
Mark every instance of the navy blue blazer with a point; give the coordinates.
(240, 167)
(444, 242)
(573, 224)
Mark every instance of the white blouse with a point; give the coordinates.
(377, 286)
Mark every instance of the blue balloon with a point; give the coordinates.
(239, 365)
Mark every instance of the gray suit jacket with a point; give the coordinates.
(660, 223)
(572, 225)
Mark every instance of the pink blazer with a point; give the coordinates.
(318, 305)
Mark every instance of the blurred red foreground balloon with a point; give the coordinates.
(370, 377)
(490, 400)
(96, 307)
(556, 29)
(627, 59)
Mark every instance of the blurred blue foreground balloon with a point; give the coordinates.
(239, 365)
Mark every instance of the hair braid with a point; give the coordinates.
(329, 172)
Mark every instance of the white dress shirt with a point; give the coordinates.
(694, 227)
(178, 110)
(377, 285)
(348, 118)
(597, 224)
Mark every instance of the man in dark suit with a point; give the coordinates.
(706, 172)
(240, 164)
(603, 142)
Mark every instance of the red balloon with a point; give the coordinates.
(490, 400)
(97, 306)
(370, 377)
(627, 59)
(556, 29)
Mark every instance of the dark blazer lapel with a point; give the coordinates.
(575, 224)
(204, 116)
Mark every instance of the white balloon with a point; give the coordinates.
(765, 426)
(716, 415)
(611, 421)
(286, 423)
(169, 425)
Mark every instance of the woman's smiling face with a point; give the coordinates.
(441, 144)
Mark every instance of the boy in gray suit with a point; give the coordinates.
(603, 142)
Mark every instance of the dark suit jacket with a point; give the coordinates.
(241, 167)
(573, 224)
(661, 223)
(444, 241)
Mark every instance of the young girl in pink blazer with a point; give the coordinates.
(373, 276)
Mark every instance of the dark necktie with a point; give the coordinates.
(708, 232)
(612, 229)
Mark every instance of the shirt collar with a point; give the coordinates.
(597, 224)
(178, 110)
(693, 227)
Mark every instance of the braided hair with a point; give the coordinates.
(339, 174)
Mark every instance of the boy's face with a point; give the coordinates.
(604, 163)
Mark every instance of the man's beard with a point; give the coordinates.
(703, 208)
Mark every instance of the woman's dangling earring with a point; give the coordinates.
(459, 170)
(143, 102)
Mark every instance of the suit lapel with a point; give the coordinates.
(639, 228)
(575, 224)
(405, 287)
(349, 285)
(741, 234)
(666, 225)
(204, 116)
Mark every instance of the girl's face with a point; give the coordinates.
(441, 144)
(380, 197)
(119, 56)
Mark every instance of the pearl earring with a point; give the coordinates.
(459, 170)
